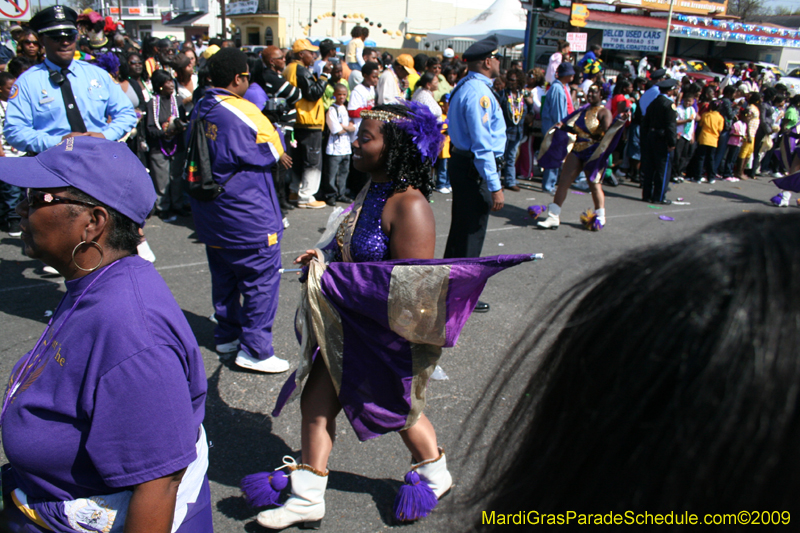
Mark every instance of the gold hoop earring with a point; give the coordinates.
(99, 248)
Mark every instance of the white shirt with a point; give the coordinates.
(339, 140)
(7, 148)
(424, 96)
(686, 130)
(361, 97)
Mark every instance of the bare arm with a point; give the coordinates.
(152, 505)
(409, 222)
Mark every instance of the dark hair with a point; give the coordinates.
(5, 77)
(18, 65)
(404, 162)
(215, 41)
(368, 51)
(160, 77)
(326, 47)
(364, 32)
(754, 98)
(521, 79)
(562, 45)
(387, 59)
(432, 62)
(728, 91)
(340, 86)
(225, 65)
(355, 33)
(424, 80)
(595, 47)
(123, 233)
(778, 99)
(25, 33)
(621, 85)
(420, 60)
(368, 68)
(662, 390)
(794, 101)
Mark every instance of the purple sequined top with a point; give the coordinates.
(369, 242)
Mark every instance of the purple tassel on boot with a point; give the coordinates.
(414, 500)
(264, 488)
(776, 200)
(535, 211)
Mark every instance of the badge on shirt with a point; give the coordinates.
(485, 102)
(14, 92)
(94, 84)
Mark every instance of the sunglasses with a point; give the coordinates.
(30, 42)
(245, 75)
(134, 62)
(62, 35)
(37, 199)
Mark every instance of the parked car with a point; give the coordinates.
(792, 81)
(697, 69)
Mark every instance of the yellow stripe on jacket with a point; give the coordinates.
(250, 114)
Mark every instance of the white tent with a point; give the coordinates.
(504, 18)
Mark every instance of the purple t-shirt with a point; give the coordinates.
(121, 395)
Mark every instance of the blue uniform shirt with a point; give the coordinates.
(37, 119)
(475, 123)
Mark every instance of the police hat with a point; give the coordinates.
(484, 48)
(54, 18)
(669, 83)
(660, 73)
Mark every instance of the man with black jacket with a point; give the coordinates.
(308, 125)
(729, 115)
(660, 122)
(283, 97)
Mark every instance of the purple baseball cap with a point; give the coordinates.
(105, 170)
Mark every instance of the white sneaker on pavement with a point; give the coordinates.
(228, 347)
(271, 365)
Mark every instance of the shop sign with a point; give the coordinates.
(695, 7)
(577, 42)
(15, 10)
(578, 15)
(551, 31)
(241, 7)
(634, 40)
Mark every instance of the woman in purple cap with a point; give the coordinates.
(102, 419)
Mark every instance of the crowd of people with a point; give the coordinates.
(235, 141)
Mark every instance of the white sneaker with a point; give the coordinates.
(285, 222)
(620, 174)
(271, 365)
(777, 175)
(444, 190)
(228, 347)
(145, 252)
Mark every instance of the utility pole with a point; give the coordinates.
(333, 21)
(224, 22)
(119, 6)
(666, 37)
(310, 5)
(533, 25)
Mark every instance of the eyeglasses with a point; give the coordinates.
(245, 75)
(62, 35)
(30, 42)
(37, 199)
(134, 62)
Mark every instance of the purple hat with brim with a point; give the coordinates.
(105, 170)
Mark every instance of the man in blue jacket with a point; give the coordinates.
(557, 105)
(242, 227)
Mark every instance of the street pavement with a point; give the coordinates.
(365, 476)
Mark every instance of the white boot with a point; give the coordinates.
(435, 474)
(553, 219)
(785, 197)
(306, 505)
(601, 216)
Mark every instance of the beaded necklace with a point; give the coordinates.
(173, 113)
(517, 107)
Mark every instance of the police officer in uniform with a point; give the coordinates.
(660, 134)
(478, 139)
(62, 97)
(647, 98)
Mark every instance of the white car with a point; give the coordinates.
(792, 81)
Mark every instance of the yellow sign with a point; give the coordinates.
(579, 15)
(690, 7)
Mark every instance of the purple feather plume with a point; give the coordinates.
(425, 130)
(108, 62)
(414, 500)
(264, 488)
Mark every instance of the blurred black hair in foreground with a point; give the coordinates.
(673, 385)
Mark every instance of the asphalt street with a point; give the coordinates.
(365, 476)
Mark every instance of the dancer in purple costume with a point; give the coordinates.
(390, 219)
(593, 128)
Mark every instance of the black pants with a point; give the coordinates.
(756, 155)
(684, 151)
(656, 175)
(472, 202)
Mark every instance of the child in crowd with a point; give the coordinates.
(711, 125)
(685, 147)
(442, 180)
(337, 151)
(738, 132)
(9, 195)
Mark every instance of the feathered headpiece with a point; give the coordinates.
(422, 125)
(108, 62)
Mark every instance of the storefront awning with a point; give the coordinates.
(185, 19)
(694, 27)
